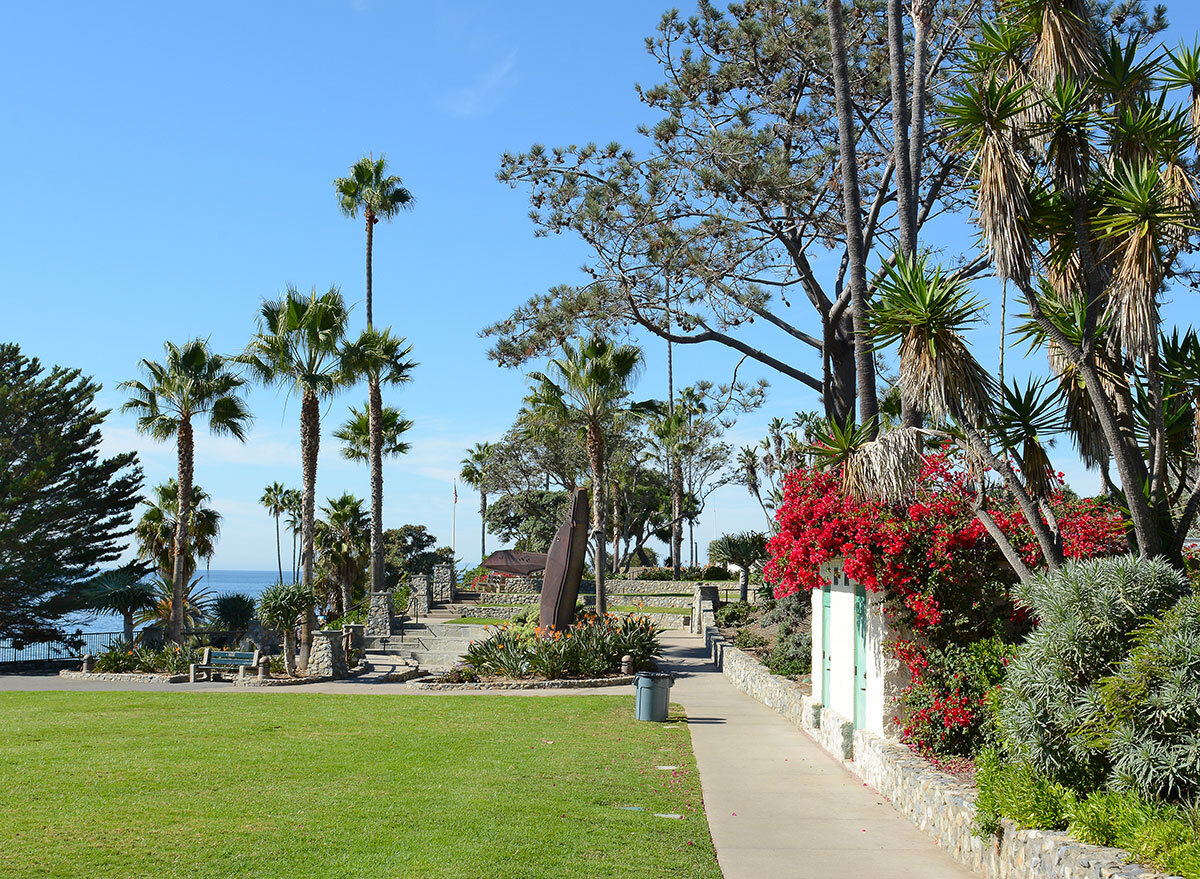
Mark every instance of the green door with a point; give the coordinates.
(860, 657)
(826, 642)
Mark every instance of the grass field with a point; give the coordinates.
(269, 785)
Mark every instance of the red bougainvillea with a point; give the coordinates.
(943, 577)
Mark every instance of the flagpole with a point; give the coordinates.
(454, 521)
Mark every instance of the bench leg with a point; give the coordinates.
(192, 673)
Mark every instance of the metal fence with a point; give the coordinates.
(69, 647)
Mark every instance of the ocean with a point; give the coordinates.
(251, 583)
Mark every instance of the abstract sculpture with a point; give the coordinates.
(564, 565)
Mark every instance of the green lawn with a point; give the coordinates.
(474, 621)
(283, 784)
(633, 608)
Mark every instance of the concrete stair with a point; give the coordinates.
(432, 644)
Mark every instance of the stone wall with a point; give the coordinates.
(124, 677)
(421, 594)
(327, 659)
(443, 583)
(941, 806)
(379, 613)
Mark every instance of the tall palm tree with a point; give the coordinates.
(355, 433)
(667, 441)
(294, 508)
(275, 500)
(343, 541)
(474, 473)
(193, 606)
(159, 523)
(300, 344)
(586, 386)
(379, 195)
(192, 382)
(383, 359)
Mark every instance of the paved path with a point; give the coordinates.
(778, 806)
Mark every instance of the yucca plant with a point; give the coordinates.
(743, 551)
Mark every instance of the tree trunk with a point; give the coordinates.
(482, 521)
(279, 547)
(595, 449)
(289, 650)
(743, 584)
(864, 361)
(375, 418)
(182, 521)
(127, 620)
(676, 516)
(295, 561)
(906, 201)
(922, 16)
(841, 376)
(310, 442)
(370, 215)
(347, 595)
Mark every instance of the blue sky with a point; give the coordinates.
(167, 166)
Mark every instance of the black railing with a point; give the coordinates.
(70, 647)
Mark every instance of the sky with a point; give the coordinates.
(166, 167)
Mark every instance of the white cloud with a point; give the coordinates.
(481, 95)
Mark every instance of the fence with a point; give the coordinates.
(69, 647)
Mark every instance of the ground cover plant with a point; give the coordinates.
(214, 785)
(778, 632)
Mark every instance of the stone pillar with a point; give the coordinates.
(379, 614)
(443, 583)
(421, 595)
(326, 658)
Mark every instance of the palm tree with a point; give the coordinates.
(741, 551)
(668, 439)
(193, 382)
(279, 607)
(192, 608)
(586, 386)
(343, 541)
(275, 500)
(474, 473)
(294, 504)
(121, 591)
(379, 196)
(383, 359)
(159, 524)
(299, 344)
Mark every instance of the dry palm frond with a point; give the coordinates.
(1133, 293)
(886, 468)
(1066, 45)
(1002, 206)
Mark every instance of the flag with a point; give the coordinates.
(456, 492)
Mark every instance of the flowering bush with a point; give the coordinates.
(592, 646)
(943, 578)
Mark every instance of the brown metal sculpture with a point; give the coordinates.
(564, 565)
(515, 561)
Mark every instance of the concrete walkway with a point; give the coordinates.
(778, 806)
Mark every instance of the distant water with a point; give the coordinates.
(217, 583)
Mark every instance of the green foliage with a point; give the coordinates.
(792, 654)
(735, 613)
(1018, 791)
(155, 529)
(591, 647)
(65, 509)
(233, 611)
(747, 640)
(791, 613)
(1149, 723)
(121, 657)
(282, 604)
(1156, 834)
(714, 573)
(1087, 613)
(409, 550)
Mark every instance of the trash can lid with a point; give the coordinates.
(655, 675)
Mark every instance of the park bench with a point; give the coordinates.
(214, 661)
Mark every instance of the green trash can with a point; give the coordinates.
(652, 698)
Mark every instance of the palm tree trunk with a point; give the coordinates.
(676, 516)
(376, 431)
(347, 594)
(185, 442)
(127, 619)
(279, 547)
(289, 650)
(864, 361)
(482, 522)
(310, 442)
(595, 448)
(295, 561)
(370, 215)
(743, 584)
(906, 203)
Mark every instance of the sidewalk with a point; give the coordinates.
(778, 806)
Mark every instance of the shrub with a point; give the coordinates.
(279, 607)
(234, 611)
(791, 613)
(1149, 717)
(122, 657)
(736, 613)
(792, 654)
(1087, 613)
(747, 640)
(1018, 791)
(1155, 834)
(717, 573)
(592, 646)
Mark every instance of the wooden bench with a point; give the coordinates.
(214, 661)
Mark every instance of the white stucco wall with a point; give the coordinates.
(884, 674)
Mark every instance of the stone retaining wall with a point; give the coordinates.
(582, 683)
(124, 677)
(941, 806)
